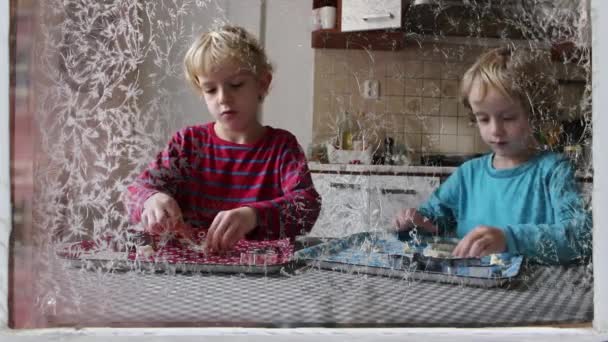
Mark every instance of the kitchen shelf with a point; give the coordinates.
(373, 40)
(422, 25)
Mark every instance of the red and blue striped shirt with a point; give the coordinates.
(206, 174)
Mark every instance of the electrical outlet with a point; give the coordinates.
(371, 89)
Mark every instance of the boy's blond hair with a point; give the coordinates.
(226, 43)
(518, 75)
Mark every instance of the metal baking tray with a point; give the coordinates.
(174, 255)
(385, 254)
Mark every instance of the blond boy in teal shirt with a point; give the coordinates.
(518, 198)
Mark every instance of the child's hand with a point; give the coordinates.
(161, 212)
(409, 218)
(230, 226)
(481, 241)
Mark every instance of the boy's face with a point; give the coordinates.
(503, 123)
(233, 94)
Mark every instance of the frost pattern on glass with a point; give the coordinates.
(109, 78)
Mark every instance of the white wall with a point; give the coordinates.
(600, 162)
(287, 41)
(245, 13)
(5, 190)
(189, 107)
(283, 28)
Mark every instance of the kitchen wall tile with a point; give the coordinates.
(324, 123)
(432, 70)
(448, 143)
(393, 123)
(323, 63)
(412, 53)
(430, 143)
(433, 52)
(394, 65)
(413, 69)
(451, 71)
(377, 64)
(342, 65)
(395, 105)
(356, 103)
(466, 144)
(430, 106)
(449, 125)
(413, 87)
(462, 110)
(431, 124)
(341, 84)
(431, 88)
(449, 107)
(323, 138)
(323, 103)
(355, 84)
(393, 86)
(358, 62)
(465, 127)
(412, 105)
(413, 141)
(342, 102)
(376, 106)
(470, 53)
(449, 88)
(412, 124)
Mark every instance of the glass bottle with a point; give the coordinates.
(347, 128)
(388, 150)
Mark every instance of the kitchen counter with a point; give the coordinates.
(381, 169)
(406, 170)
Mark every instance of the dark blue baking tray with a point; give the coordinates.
(384, 253)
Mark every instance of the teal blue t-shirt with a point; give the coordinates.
(537, 204)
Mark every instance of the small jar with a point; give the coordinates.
(574, 153)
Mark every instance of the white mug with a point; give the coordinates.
(315, 19)
(328, 17)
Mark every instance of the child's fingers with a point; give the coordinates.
(156, 229)
(475, 244)
(462, 248)
(402, 220)
(479, 247)
(173, 210)
(149, 220)
(230, 237)
(211, 231)
(184, 230)
(457, 251)
(216, 231)
(144, 219)
(396, 223)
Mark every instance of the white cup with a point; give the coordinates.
(328, 17)
(315, 19)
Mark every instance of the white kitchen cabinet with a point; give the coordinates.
(345, 204)
(586, 189)
(362, 15)
(389, 194)
(354, 203)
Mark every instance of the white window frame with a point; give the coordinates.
(599, 332)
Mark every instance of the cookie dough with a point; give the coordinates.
(495, 259)
(439, 250)
(145, 251)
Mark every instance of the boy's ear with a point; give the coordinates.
(264, 82)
